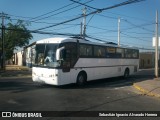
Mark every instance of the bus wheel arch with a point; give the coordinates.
(126, 73)
(81, 78)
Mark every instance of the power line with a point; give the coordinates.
(32, 18)
(136, 18)
(90, 19)
(107, 30)
(31, 21)
(102, 40)
(115, 18)
(84, 4)
(102, 32)
(68, 34)
(40, 22)
(51, 11)
(139, 33)
(115, 36)
(135, 37)
(97, 39)
(71, 25)
(134, 44)
(138, 37)
(67, 27)
(94, 9)
(100, 9)
(138, 26)
(41, 32)
(107, 16)
(61, 11)
(94, 12)
(20, 16)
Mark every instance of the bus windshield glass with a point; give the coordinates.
(46, 55)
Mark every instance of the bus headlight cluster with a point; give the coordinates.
(33, 73)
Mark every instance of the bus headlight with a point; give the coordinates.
(33, 73)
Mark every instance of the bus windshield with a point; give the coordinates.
(46, 55)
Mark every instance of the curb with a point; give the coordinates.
(146, 92)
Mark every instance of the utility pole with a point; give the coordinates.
(156, 48)
(81, 30)
(3, 16)
(84, 22)
(119, 20)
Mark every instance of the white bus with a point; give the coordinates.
(61, 61)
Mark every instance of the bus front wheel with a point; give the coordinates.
(81, 79)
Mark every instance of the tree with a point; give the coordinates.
(16, 35)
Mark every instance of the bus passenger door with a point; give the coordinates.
(66, 65)
(70, 57)
(69, 61)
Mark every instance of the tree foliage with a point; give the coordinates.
(16, 35)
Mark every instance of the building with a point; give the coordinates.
(29, 55)
(16, 59)
(146, 60)
(24, 57)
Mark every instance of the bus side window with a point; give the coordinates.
(120, 52)
(89, 51)
(85, 50)
(123, 54)
(128, 53)
(99, 51)
(110, 52)
(135, 53)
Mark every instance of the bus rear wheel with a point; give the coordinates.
(126, 73)
(81, 79)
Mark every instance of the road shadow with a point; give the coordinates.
(110, 82)
(20, 85)
(28, 85)
(142, 75)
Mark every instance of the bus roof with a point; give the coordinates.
(51, 40)
(65, 39)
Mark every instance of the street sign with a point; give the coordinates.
(153, 41)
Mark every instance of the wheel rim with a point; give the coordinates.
(81, 79)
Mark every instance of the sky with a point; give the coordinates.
(137, 24)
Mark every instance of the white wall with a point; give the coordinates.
(19, 58)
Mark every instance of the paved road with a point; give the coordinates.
(114, 94)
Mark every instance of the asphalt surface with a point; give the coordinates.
(114, 94)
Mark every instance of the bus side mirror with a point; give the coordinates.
(58, 53)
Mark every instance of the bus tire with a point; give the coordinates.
(81, 79)
(126, 73)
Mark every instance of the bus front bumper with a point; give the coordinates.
(51, 81)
